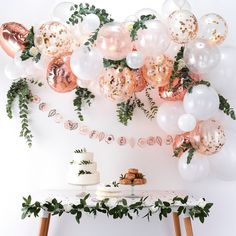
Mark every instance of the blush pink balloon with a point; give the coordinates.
(114, 41)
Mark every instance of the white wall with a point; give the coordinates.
(23, 170)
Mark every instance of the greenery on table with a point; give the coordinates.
(185, 147)
(20, 89)
(29, 45)
(83, 96)
(119, 210)
(125, 110)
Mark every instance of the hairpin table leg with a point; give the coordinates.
(188, 226)
(44, 224)
(176, 224)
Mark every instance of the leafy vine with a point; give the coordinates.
(185, 147)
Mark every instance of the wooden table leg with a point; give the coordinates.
(44, 224)
(176, 224)
(188, 226)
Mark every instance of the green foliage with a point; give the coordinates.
(83, 96)
(82, 150)
(140, 24)
(120, 64)
(185, 147)
(204, 82)
(226, 108)
(20, 90)
(29, 43)
(120, 210)
(85, 162)
(81, 10)
(114, 184)
(84, 172)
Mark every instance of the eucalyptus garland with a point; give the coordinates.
(20, 89)
(83, 96)
(185, 147)
(120, 210)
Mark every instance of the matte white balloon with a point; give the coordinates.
(187, 122)
(135, 59)
(196, 170)
(170, 6)
(90, 23)
(154, 40)
(62, 12)
(202, 102)
(13, 72)
(86, 64)
(201, 56)
(223, 164)
(168, 115)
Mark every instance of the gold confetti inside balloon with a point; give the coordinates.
(183, 26)
(208, 137)
(213, 27)
(157, 71)
(53, 39)
(116, 84)
(141, 83)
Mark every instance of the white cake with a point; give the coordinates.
(110, 190)
(83, 170)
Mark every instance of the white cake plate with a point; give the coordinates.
(84, 191)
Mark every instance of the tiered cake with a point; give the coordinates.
(83, 170)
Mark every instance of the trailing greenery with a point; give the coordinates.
(119, 210)
(82, 150)
(140, 24)
(121, 64)
(204, 82)
(20, 90)
(84, 172)
(185, 147)
(226, 108)
(81, 10)
(83, 96)
(29, 45)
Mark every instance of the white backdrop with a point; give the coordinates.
(23, 170)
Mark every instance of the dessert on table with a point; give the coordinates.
(108, 190)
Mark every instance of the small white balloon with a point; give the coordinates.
(201, 56)
(168, 115)
(135, 59)
(196, 170)
(86, 64)
(62, 12)
(187, 122)
(90, 23)
(202, 102)
(13, 72)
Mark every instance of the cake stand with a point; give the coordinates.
(83, 191)
(132, 194)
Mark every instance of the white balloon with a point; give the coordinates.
(201, 56)
(86, 64)
(172, 50)
(135, 59)
(187, 122)
(61, 12)
(13, 72)
(146, 11)
(223, 164)
(196, 170)
(222, 77)
(170, 6)
(168, 115)
(202, 102)
(90, 23)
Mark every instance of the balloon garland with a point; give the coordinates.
(85, 50)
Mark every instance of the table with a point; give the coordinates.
(71, 197)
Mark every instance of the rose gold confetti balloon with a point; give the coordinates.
(114, 41)
(59, 75)
(12, 37)
(116, 84)
(183, 26)
(53, 39)
(179, 141)
(178, 90)
(208, 137)
(157, 71)
(141, 83)
(213, 27)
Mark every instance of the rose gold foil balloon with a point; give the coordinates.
(117, 85)
(177, 92)
(53, 39)
(141, 83)
(183, 26)
(12, 37)
(114, 41)
(59, 75)
(208, 137)
(179, 141)
(157, 71)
